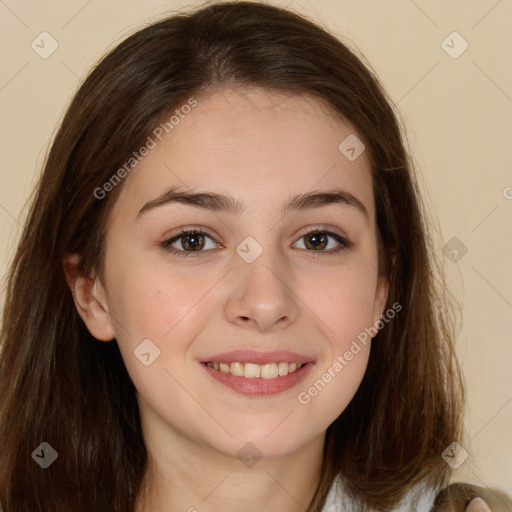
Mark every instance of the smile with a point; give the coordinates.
(256, 371)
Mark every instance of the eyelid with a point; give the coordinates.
(322, 229)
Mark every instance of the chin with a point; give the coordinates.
(257, 443)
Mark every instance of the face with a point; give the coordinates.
(264, 280)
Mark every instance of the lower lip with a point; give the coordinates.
(259, 386)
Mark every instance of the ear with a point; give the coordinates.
(381, 296)
(381, 293)
(90, 299)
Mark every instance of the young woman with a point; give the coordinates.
(224, 293)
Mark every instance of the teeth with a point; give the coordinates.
(255, 371)
(269, 371)
(282, 368)
(252, 371)
(236, 369)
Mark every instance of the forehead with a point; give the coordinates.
(259, 146)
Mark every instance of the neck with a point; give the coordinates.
(181, 475)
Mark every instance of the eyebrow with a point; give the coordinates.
(225, 203)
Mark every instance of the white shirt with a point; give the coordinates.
(338, 501)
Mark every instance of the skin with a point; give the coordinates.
(262, 148)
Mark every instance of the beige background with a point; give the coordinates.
(458, 114)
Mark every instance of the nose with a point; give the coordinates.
(261, 294)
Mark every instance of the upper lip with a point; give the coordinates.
(258, 357)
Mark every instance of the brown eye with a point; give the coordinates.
(189, 242)
(318, 240)
(192, 242)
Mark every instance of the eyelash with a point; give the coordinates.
(344, 243)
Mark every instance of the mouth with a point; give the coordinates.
(258, 374)
(256, 371)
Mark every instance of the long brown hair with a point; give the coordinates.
(60, 385)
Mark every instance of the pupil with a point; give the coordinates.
(193, 240)
(317, 239)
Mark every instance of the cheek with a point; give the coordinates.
(346, 317)
(168, 307)
(152, 299)
(344, 302)
(335, 385)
